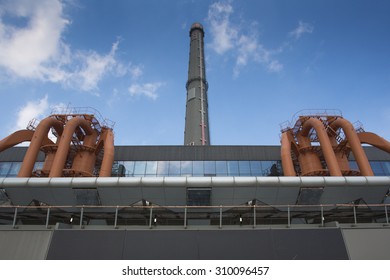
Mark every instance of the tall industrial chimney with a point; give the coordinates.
(197, 118)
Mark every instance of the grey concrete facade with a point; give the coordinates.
(196, 122)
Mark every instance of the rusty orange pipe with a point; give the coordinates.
(285, 151)
(65, 142)
(374, 140)
(108, 158)
(342, 157)
(39, 136)
(15, 138)
(308, 159)
(84, 159)
(356, 146)
(329, 155)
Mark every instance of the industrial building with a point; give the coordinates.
(321, 195)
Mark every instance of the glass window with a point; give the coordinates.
(118, 170)
(139, 168)
(377, 168)
(129, 168)
(198, 196)
(38, 165)
(209, 168)
(271, 168)
(386, 167)
(244, 168)
(174, 168)
(14, 170)
(186, 168)
(151, 168)
(4, 168)
(162, 168)
(221, 168)
(87, 197)
(232, 168)
(198, 168)
(256, 168)
(353, 165)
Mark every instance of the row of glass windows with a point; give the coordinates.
(195, 168)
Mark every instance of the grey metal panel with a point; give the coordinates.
(197, 153)
(367, 244)
(86, 245)
(346, 194)
(192, 153)
(17, 154)
(24, 245)
(321, 244)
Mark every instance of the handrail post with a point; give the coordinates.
(81, 217)
(47, 217)
(322, 216)
(354, 215)
(116, 218)
(387, 215)
(288, 216)
(150, 217)
(185, 216)
(220, 216)
(254, 216)
(15, 215)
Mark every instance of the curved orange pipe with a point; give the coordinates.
(16, 138)
(308, 159)
(356, 146)
(285, 152)
(84, 160)
(40, 135)
(374, 140)
(327, 149)
(108, 158)
(64, 145)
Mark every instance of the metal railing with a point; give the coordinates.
(219, 216)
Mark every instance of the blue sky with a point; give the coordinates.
(265, 61)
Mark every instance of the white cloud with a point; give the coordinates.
(94, 67)
(223, 32)
(31, 110)
(302, 28)
(147, 89)
(37, 51)
(28, 51)
(228, 36)
(136, 72)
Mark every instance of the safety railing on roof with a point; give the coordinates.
(152, 216)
